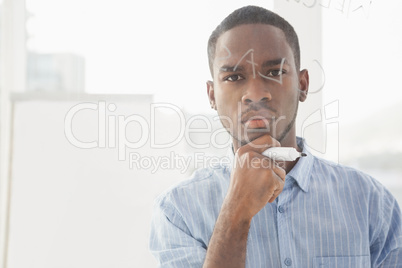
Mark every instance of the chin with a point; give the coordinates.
(255, 134)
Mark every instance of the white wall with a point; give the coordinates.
(74, 207)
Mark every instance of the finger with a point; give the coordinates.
(275, 195)
(280, 172)
(260, 144)
(266, 162)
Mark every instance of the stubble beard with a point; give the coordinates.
(233, 133)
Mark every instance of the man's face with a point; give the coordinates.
(256, 87)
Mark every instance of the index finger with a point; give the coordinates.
(260, 144)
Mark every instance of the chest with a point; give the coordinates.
(315, 229)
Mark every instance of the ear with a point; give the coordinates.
(303, 84)
(211, 94)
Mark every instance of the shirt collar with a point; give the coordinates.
(300, 172)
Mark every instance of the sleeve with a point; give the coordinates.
(386, 245)
(171, 242)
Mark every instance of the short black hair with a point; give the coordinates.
(254, 15)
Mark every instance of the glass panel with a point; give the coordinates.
(77, 207)
(362, 53)
(124, 46)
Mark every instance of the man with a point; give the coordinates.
(259, 212)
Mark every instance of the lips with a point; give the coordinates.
(257, 120)
(256, 123)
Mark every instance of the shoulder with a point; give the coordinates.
(340, 173)
(357, 184)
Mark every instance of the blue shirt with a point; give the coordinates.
(327, 215)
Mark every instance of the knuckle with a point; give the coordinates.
(279, 184)
(273, 142)
(282, 173)
(277, 143)
(240, 151)
(250, 153)
(270, 173)
(266, 163)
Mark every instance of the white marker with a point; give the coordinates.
(283, 153)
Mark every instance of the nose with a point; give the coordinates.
(256, 91)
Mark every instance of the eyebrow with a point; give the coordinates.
(268, 63)
(230, 68)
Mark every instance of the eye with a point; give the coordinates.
(276, 72)
(233, 78)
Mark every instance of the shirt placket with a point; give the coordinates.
(284, 232)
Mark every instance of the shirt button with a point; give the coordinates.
(281, 209)
(288, 262)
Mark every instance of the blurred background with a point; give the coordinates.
(104, 106)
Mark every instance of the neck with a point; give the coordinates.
(288, 141)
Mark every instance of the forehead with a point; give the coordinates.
(266, 41)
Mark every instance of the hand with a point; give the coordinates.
(255, 180)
